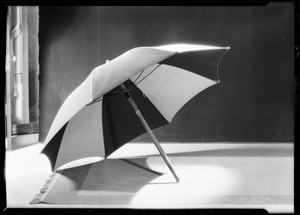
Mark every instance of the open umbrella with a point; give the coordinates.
(134, 93)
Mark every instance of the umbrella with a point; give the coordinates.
(122, 99)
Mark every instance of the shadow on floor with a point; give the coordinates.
(111, 180)
(108, 171)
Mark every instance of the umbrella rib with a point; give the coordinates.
(138, 76)
(147, 75)
(95, 101)
(219, 64)
(129, 85)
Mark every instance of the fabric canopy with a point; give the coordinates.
(96, 119)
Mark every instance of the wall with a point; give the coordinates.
(253, 102)
(33, 56)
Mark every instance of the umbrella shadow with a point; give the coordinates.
(110, 176)
(107, 182)
(75, 176)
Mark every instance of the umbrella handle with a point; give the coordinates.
(149, 131)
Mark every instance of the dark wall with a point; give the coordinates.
(68, 53)
(253, 102)
(33, 65)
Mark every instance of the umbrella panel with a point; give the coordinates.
(192, 61)
(51, 150)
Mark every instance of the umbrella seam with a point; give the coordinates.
(45, 189)
(219, 65)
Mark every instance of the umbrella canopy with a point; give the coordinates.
(96, 118)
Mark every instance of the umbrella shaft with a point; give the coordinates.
(149, 131)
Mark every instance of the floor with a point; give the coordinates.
(26, 170)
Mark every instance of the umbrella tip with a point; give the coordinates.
(106, 61)
(228, 47)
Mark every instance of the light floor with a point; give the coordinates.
(27, 170)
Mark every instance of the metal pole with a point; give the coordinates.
(149, 131)
(8, 86)
(16, 36)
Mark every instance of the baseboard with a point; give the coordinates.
(33, 127)
(20, 141)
